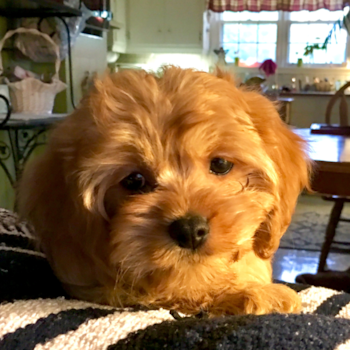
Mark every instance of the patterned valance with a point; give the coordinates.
(275, 5)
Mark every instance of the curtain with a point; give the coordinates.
(274, 5)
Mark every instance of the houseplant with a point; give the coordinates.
(339, 24)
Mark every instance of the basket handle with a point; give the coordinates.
(35, 32)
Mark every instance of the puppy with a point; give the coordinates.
(169, 191)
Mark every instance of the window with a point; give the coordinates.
(308, 28)
(281, 36)
(250, 36)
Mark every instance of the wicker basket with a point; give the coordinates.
(31, 95)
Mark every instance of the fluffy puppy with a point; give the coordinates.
(168, 191)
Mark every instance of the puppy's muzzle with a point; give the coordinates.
(189, 231)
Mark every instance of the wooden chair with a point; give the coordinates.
(339, 202)
(285, 108)
(343, 107)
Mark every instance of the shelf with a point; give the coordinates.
(36, 8)
(32, 116)
(311, 93)
(28, 121)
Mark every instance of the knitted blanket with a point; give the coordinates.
(36, 314)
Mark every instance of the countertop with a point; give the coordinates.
(310, 93)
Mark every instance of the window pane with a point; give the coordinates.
(298, 33)
(319, 57)
(319, 15)
(336, 53)
(266, 51)
(250, 16)
(296, 51)
(248, 54)
(247, 51)
(315, 33)
(248, 33)
(318, 32)
(233, 52)
(309, 33)
(252, 43)
(331, 55)
(267, 33)
(230, 33)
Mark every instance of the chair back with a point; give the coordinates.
(343, 107)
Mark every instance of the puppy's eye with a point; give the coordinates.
(135, 182)
(220, 166)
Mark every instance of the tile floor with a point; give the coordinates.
(289, 263)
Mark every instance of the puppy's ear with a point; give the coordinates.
(291, 163)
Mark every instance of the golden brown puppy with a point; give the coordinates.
(169, 191)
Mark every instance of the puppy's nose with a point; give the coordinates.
(189, 231)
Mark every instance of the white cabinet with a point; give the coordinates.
(165, 26)
(117, 33)
(145, 22)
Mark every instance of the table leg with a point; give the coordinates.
(15, 150)
(21, 145)
(5, 154)
(330, 233)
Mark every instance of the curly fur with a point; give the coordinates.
(108, 246)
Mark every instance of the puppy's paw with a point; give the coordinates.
(258, 300)
(272, 298)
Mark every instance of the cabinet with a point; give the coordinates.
(165, 26)
(116, 40)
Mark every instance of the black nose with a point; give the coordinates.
(189, 231)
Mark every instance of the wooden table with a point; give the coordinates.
(331, 154)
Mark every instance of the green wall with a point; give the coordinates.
(6, 190)
(7, 193)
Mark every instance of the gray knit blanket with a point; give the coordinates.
(36, 314)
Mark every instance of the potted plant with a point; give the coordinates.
(339, 24)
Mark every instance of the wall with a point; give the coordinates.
(6, 191)
(154, 61)
(89, 54)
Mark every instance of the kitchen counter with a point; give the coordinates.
(308, 107)
(310, 93)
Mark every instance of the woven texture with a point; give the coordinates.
(274, 5)
(31, 95)
(35, 314)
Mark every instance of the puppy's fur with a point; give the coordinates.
(110, 245)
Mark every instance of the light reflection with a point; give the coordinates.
(182, 60)
(345, 156)
(326, 148)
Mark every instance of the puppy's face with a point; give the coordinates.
(186, 168)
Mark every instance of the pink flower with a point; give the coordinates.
(268, 67)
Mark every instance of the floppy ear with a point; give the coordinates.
(291, 163)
